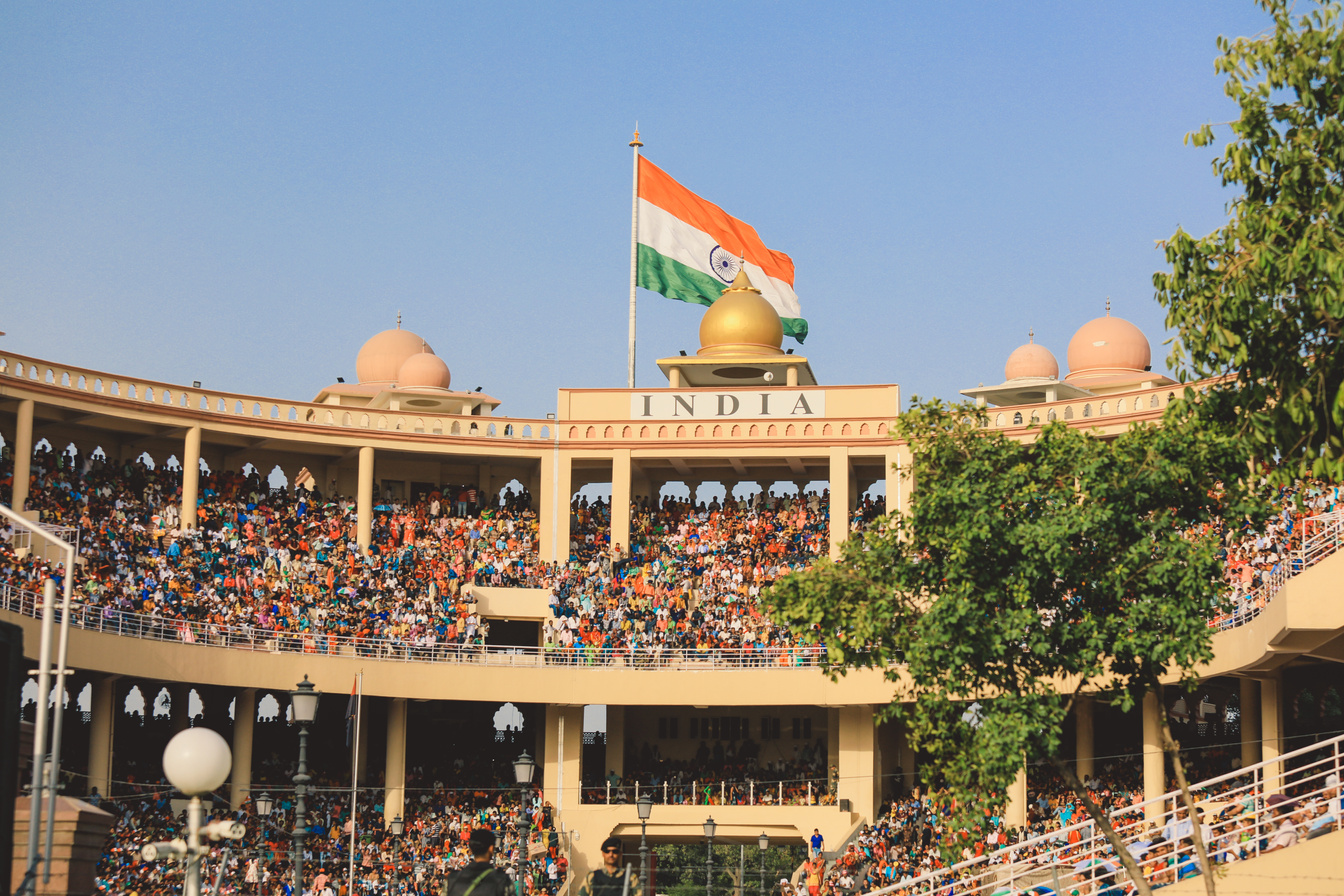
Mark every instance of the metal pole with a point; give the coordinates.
(709, 867)
(40, 720)
(634, 259)
(58, 713)
(762, 872)
(742, 872)
(521, 845)
(192, 886)
(644, 857)
(301, 780)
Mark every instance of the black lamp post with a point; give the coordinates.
(764, 843)
(710, 828)
(395, 826)
(303, 704)
(645, 809)
(524, 767)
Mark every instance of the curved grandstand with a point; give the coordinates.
(488, 578)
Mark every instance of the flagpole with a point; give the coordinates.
(634, 256)
(354, 781)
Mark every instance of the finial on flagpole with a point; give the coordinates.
(635, 142)
(1108, 306)
(1031, 335)
(398, 320)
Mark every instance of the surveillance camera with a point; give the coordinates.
(769, 376)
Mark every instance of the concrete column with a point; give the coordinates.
(615, 740)
(564, 749)
(23, 453)
(900, 481)
(564, 490)
(858, 761)
(728, 486)
(394, 777)
(364, 500)
(484, 486)
(694, 486)
(1154, 761)
(102, 726)
(180, 695)
(191, 476)
(244, 719)
(1016, 812)
(620, 498)
(1082, 722)
(548, 498)
(1271, 731)
(1250, 722)
(839, 508)
(362, 770)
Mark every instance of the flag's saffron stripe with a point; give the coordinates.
(733, 235)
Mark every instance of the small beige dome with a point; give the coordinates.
(741, 323)
(424, 370)
(1031, 360)
(1108, 343)
(380, 359)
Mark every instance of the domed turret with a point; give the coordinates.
(424, 370)
(741, 324)
(380, 359)
(1108, 346)
(1031, 360)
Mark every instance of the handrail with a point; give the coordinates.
(1240, 831)
(1322, 536)
(159, 628)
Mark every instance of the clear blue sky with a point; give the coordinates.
(242, 194)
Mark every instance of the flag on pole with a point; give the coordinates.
(691, 250)
(350, 709)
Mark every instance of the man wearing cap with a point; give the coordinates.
(480, 878)
(610, 879)
(1286, 834)
(1333, 811)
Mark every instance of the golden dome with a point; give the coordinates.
(424, 370)
(740, 324)
(1031, 360)
(380, 359)
(1108, 344)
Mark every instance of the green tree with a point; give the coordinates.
(1261, 299)
(1024, 574)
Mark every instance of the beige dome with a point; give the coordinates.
(424, 370)
(1031, 360)
(380, 360)
(1108, 343)
(740, 323)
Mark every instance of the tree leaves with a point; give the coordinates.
(1261, 300)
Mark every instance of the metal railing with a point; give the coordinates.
(1267, 806)
(724, 792)
(1321, 537)
(208, 634)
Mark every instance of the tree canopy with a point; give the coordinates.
(1024, 572)
(1261, 299)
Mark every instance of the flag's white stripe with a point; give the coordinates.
(669, 235)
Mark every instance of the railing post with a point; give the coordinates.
(608, 793)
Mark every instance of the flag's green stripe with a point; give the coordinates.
(675, 280)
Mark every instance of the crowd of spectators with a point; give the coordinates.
(438, 819)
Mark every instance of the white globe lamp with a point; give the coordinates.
(197, 761)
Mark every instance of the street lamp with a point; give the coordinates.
(396, 826)
(303, 704)
(196, 761)
(645, 809)
(524, 767)
(264, 805)
(763, 842)
(710, 828)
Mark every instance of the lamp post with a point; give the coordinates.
(645, 809)
(764, 843)
(710, 827)
(303, 703)
(524, 767)
(196, 761)
(264, 805)
(396, 826)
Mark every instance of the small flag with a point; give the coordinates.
(350, 714)
(690, 250)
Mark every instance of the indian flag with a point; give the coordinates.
(691, 250)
